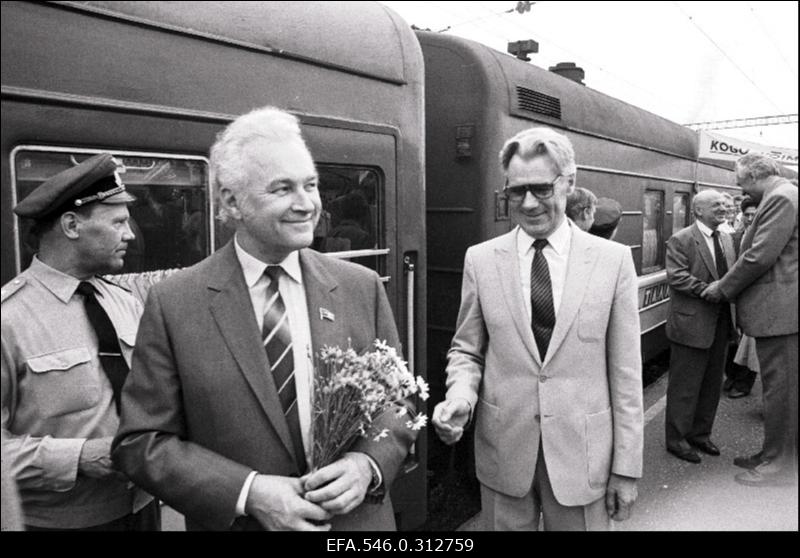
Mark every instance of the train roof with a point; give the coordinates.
(535, 93)
(338, 26)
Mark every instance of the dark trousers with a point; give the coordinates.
(777, 357)
(695, 377)
(146, 519)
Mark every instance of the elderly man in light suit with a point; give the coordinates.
(763, 282)
(208, 423)
(546, 357)
(698, 330)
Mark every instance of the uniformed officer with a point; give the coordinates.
(67, 339)
(607, 214)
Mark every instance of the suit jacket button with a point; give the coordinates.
(542, 378)
(536, 418)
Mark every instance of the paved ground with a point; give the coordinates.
(678, 496)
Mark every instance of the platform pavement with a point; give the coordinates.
(675, 495)
(678, 496)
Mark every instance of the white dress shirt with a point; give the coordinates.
(293, 293)
(557, 255)
(294, 298)
(707, 232)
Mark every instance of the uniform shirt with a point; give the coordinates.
(557, 255)
(55, 396)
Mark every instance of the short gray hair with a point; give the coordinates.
(758, 166)
(578, 200)
(231, 165)
(541, 141)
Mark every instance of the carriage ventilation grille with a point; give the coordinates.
(533, 101)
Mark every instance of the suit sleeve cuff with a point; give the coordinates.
(242, 501)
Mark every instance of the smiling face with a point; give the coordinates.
(539, 218)
(103, 235)
(710, 208)
(276, 211)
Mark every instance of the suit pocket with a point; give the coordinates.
(64, 381)
(599, 446)
(592, 322)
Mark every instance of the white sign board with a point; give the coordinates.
(717, 146)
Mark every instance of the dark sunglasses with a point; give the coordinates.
(541, 190)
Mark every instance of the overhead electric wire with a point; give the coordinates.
(770, 36)
(725, 54)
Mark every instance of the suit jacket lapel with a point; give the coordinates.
(579, 270)
(508, 276)
(322, 300)
(705, 253)
(233, 312)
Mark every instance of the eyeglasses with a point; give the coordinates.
(541, 190)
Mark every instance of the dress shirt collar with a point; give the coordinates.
(253, 268)
(60, 284)
(705, 229)
(559, 239)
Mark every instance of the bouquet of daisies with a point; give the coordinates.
(351, 391)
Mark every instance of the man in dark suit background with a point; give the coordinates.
(698, 330)
(764, 285)
(212, 422)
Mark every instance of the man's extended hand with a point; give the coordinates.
(277, 503)
(450, 417)
(95, 460)
(341, 486)
(621, 493)
(712, 293)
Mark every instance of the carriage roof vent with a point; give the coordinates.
(533, 101)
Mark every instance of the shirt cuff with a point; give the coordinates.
(242, 501)
(377, 477)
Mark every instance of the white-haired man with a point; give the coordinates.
(216, 412)
(546, 356)
(763, 283)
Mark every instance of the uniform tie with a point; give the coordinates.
(543, 315)
(719, 256)
(277, 339)
(114, 366)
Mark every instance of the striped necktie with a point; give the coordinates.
(543, 315)
(278, 343)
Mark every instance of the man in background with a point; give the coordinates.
(763, 283)
(698, 330)
(68, 337)
(546, 361)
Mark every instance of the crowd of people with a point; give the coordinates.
(201, 398)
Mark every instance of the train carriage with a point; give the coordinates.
(154, 82)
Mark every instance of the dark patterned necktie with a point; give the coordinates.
(114, 365)
(543, 315)
(277, 339)
(719, 256)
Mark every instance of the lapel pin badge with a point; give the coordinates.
(325, 314)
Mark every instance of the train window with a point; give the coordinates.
(680, 211)
(652, 236)
(170, 216)
(350, 223)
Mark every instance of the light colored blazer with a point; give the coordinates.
(764, 279)
(584, 401)
(199, 409)
(690, 268)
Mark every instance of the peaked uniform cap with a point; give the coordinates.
(93, 181)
